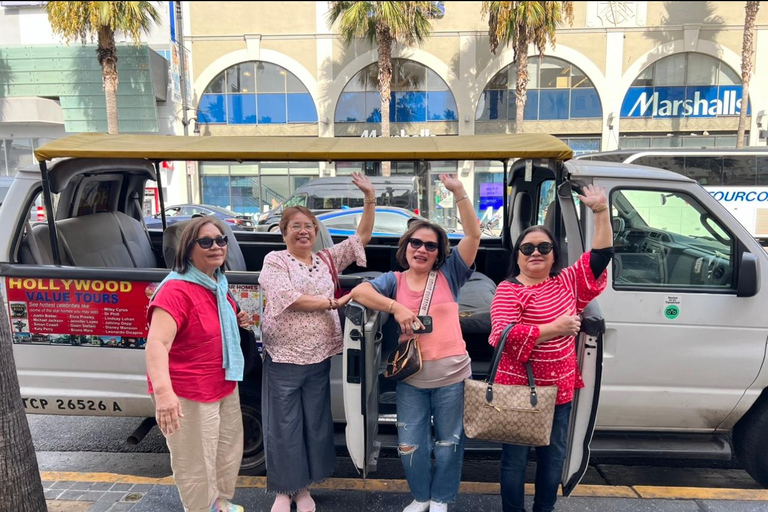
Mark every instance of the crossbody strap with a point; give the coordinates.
(428, 289)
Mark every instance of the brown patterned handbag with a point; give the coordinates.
(508, 414)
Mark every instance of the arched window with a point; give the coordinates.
(256, 93)
(684, 85)
(418, 95)
(556, 90)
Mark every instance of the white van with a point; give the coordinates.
(673, 352)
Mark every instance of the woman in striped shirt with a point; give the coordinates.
(544, 303)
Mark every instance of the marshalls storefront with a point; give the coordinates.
(625, 75)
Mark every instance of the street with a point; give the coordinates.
(90, 444)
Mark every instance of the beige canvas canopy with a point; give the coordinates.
(169, 147)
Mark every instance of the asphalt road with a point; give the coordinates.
(92, 444)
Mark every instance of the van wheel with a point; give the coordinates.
(751, 442)
(253, 436)
(274, 229)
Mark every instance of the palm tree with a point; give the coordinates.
(83, 20)
(20, 487)
(384, 24)
(747, 63)
(520, 24)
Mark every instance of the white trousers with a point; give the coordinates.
(206, 451)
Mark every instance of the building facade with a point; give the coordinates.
(624, 75)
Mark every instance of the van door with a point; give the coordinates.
(589, 352)
(362, 354)
(681, 347)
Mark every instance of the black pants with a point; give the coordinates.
(298, 425)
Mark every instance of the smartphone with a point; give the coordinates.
(426, 321)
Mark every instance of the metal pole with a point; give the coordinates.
(160, 192)
(183, 83)
(49, 213)
(505, 236)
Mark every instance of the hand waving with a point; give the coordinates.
(362, 182)
(451, 183)
(593, 196)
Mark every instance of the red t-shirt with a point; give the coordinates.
(195, 360)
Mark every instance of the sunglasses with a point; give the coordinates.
(544, 248)
(429, 246)
(207, 243)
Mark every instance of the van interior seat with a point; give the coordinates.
(106, 239)
(35, 248)
(172, 237)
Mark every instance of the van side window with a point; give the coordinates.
(666, 239)
(297, 200)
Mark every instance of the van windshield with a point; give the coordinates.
(298, 200)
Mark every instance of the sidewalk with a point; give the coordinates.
(106, 492)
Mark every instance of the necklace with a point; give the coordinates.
(312, 265)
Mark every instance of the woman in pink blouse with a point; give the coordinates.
(301, 332)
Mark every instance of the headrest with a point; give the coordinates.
(172, 236)
(323, 240)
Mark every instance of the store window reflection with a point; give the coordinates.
(256, 93)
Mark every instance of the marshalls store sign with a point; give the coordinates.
(666, 102)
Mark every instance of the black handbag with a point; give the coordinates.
(406, 361)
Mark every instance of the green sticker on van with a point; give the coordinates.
(671, 312)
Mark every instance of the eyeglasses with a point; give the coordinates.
(299, 227)
(429, 246)
(544, 248)
(207, 242)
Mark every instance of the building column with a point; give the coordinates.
(611, 102)
(325, 115)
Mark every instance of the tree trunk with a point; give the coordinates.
(521, 80)
(20, 486)
(747, 60)
(384, 41)
(108, 59)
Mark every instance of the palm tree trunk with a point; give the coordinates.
(108, 59)
(521, 81)
(20, 486)
(747, 59)
(384, 41)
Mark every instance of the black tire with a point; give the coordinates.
(751, 441)
(254, 462)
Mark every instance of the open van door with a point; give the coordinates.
(362, 354)
(589, 352)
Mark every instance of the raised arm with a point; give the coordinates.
(468, 245)
(365, 227)
(595, 199)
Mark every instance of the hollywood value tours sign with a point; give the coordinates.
(679, 102)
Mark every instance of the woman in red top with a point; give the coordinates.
(193, 364)
(544, 304)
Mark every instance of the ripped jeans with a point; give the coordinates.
(415, 406)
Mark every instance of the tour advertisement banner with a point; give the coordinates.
(83, 312)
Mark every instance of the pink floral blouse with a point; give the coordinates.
(303, 337)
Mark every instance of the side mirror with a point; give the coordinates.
(748, 285)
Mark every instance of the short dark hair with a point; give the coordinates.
(443, 247)
(187, 241)
(289, 212)
(514, 268)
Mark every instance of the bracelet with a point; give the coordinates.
(330, 303)
(465, 196)
(390, 307)
(369, 201)
(600, 208)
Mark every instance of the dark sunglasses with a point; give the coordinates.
(544, 248)
(207, 243)
(429, 246)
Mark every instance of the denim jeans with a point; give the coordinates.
(415, 407)
(549, 468)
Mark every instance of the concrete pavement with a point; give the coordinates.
(108, 492)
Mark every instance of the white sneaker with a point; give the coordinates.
(438, 507)
(417, 506)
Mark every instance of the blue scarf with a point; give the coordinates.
(230, 335)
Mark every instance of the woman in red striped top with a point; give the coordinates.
(544, 303)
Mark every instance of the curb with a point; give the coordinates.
(401, 486)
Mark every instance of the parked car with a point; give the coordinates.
(326, 194)
(178, 213)
(389, 221)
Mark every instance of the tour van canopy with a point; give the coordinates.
(306, 149)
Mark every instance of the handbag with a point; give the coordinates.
(328, 260)
(519, 415)
(405, 361)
